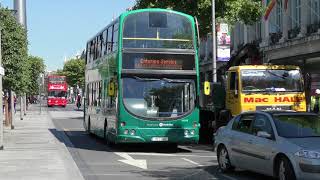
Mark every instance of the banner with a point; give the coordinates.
(223, 39)
(270, 6)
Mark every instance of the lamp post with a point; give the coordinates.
(214, 49)
(1, 112)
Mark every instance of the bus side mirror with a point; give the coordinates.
(111, 89)
(207, 88)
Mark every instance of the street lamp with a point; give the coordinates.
(40, 84)
(214, 49)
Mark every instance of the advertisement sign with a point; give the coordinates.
(224, 41)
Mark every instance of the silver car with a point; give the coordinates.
(285, 145)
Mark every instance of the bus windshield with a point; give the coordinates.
(154, 98)
(275, 80)
(52, 94)
(157, 30)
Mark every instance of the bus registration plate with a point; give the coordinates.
(159, 139)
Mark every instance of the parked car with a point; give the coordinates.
(285, 145)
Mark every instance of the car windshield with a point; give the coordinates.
(153, 98)
(57, 94)
(271, 80)
(297, 126)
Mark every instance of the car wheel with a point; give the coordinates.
(224, 160)
(285, 170)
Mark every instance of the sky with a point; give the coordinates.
(61, 28)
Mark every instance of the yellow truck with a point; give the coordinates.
(250, 88)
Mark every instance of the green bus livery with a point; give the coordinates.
(142, 79)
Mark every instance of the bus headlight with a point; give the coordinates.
(132, 132)
(126, 131)
(122, 124)
(186, 132)
(192, 132)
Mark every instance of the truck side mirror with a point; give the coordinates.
(207, 88)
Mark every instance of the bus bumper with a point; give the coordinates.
(153, 139)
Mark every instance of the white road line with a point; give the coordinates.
(172, 155)
(192, 162)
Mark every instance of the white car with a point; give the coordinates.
(285, 145)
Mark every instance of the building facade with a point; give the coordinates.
(289, 35)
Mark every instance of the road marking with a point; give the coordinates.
(140, 163)
(172, 155)
(192, 162)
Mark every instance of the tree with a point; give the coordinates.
(35, 67)
(74, 71)
(231, 11)
(14, 53)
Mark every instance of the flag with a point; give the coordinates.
(286, 4)
(270, 5)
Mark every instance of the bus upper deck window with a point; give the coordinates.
(158, 20)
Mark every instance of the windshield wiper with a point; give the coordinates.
(175, 80)
(276, 75)
(146, 79)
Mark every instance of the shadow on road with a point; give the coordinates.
(82, 140)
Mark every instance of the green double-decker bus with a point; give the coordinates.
(142, 79)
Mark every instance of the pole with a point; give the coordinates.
(21, 17)
(11, 109)
(1, 103)
(21, 106)
(214, 49)
(40, 93)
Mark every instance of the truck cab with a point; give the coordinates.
(264, 87)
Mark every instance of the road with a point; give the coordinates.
(97, 161)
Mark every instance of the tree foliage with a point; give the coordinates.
(231, 11)
(14, 52)
(35, 67)
(74, 71)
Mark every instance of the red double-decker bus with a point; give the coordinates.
(57, 91)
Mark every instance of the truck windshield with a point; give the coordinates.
(275, 80)
(154, 98)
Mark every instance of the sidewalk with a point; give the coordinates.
(32, 151)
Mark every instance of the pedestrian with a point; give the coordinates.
(78, 101)
(315, 101)
(15, 103)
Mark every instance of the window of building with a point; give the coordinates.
(295, 13)
(315, 11)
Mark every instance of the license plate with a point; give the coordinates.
(159, 139)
